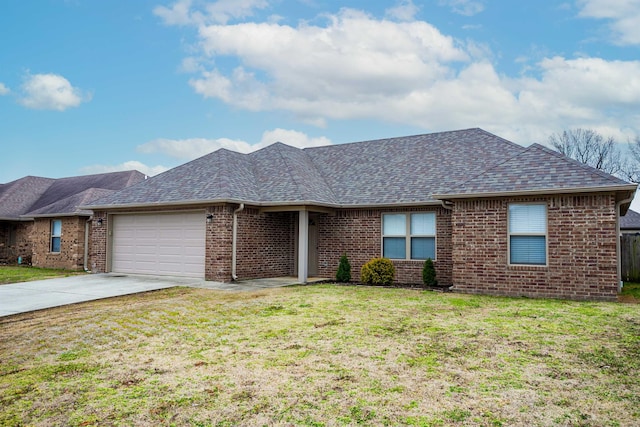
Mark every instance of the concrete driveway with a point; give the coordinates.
(37, 295)
(29, 296)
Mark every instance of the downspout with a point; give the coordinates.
(86, 244)
(447, 204)
(234, 243)
(618, 260)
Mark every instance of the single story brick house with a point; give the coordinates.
(41, 222)
(496, 217)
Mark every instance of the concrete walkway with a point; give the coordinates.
(40, 294)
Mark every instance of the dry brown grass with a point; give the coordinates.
(321, 355)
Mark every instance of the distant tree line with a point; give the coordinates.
(591, 148)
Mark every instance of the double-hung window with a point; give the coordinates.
(409, 235)
(528, 234)
(56, 234)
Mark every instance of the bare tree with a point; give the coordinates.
(589, 147)
(631, 166)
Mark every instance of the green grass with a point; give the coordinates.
(631, 289)
(322, 355)
(16, 274)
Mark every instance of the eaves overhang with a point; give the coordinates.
(260, 204)
(538, 192)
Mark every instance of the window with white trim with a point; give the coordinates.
(56, 234)
(528, 234)
(409, 235)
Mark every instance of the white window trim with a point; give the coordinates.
(407, 236)
(54, 236)
(545, 234)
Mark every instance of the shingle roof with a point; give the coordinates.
(535, 169)
(630, 221)
(406, 170)
(17, 197)
(37, 196)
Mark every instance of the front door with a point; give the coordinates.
(313, 246)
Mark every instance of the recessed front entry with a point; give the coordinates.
(159, 244)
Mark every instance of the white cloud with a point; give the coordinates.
(221, 11)
(191, 148)
(464, 7)
(177, 14)
(405, 10)
(50, 92)
(624, 17)
(355, 66)
(126, 166)
(3, 89)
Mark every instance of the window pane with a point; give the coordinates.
(56, 227)
(528, 250)
(423, 247)
(394, 225)
(423, 224)
(55, 244)
(394, 247)
(527, 219)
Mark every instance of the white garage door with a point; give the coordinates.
(159, 244)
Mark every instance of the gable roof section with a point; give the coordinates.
(36, 196)
(535, 170)
(389, 171)
(18, 196)
(411, 170)
(630, 221)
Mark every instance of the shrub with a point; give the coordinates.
(378, 271)
(344, 269)
(429, 273)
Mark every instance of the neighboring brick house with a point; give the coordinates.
(495, 217)
(41, 222)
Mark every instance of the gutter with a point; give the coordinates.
(542, 192)
(618, 250)
(234, 244)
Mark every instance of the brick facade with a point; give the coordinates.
(14, 242)
(581, 254)
(71, 255)
(471, 246)
(358, 233)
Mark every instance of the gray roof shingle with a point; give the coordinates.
(630, 221)
(37, 196)
(537, 168)
(406, 170)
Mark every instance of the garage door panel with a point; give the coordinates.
(163, 244)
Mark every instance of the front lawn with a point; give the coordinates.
(23, 273)
(322, 355)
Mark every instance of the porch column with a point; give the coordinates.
(303, 246)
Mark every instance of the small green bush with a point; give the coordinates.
(429, 273)
(344, 269)
(378, 271)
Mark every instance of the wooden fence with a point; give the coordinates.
(630, 257)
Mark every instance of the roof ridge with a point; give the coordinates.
(403, 137)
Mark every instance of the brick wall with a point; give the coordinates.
(219, 244)
(358, 233)
(266, 244)
(15, 242)
(98, 243)
(71, 255)
(581, 249)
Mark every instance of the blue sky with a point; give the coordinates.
(88, 86)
